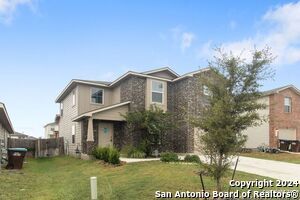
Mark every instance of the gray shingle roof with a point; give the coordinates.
(94, 82)
(275, 90)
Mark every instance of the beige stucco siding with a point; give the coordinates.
(84, 104)
(163, 74)
(148, 100)
(259, 135)
(116, 95)
(3, 137)
(65, 123)
(84, 98)
(113, 114)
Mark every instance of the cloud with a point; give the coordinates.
(186, 40)
(279, 29)
(182, 38)
(9, 7)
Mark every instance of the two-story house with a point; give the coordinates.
(282, 127)
(91, 111)
(51, 130)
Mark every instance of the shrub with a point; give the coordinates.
(169, 157)
(96, 153)
(105, 154)
(145, 147)
(101, 153)
(135, 153)
(114, 156)
(267, 149)
(246, 150)
(192, 158)
(109, 155)
(132, 152)
(125, 151)
(261, 148)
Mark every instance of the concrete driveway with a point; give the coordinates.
(269, 168)
(274, 169)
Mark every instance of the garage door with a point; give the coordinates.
(287, 134)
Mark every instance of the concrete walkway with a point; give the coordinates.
(269, 168)
(134, 160)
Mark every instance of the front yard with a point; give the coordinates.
(68, 178)
(284, 157)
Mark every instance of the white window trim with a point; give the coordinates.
(73, 129)
(290, 101)
(73, 98)
(61, 108)
(206, 91)
(162, 92)
(91, 91)
(73, 134)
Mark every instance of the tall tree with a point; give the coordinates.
(233, 106)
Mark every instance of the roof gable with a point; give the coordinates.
(4, 119)
(191, 74)
(164, 72)
(74, 82)
(277, 90)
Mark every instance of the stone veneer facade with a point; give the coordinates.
(132, 89)
(185, 100)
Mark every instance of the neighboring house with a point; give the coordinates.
(6, 127)
(17, 135)
(90, 111)
(282, 129)
(51, 130)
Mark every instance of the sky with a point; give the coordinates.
(44, 44)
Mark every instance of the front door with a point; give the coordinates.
(105, 134)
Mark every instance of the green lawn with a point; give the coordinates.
(68, 178)
(284, 157)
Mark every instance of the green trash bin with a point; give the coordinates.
(15, 158)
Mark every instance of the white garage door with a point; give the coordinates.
(287, 134)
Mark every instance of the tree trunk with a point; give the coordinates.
(219, 187)
(220, 163)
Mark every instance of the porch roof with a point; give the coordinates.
(112, 112)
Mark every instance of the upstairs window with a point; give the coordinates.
(73, 98)
(157, 91)
(97, 95)
(287, 104)
(206, 91)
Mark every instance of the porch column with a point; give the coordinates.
(90, 136)
(90, 131)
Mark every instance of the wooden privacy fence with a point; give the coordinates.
(39, 147)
